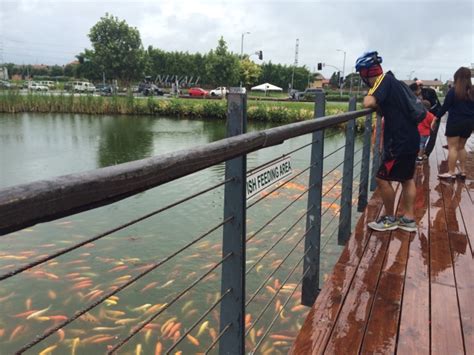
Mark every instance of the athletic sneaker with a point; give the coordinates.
(384, 223)
(407, 224)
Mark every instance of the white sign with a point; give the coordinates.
(267, 175)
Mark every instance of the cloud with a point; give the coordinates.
(431, 38)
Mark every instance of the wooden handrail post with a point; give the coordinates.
(233, 269)
(364, 168)
(310, 287)
(347, 177)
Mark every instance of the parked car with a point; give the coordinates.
(32, 86)
(148, 88)
(82, 86)
(50, 84)
(220, 91)
(197, 92)
(308, 94)
(5, 84)
(106, 89)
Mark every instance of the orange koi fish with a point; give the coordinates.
(118, 268)
(158, 348)
(126, 321)
(52, 295)
(61, 335)
(150, 285)
(176, 336)
(192, 340)
(58, 318)
(102, 339)
(16, 331)
(155, 308)
(298, 308)
(213, 333)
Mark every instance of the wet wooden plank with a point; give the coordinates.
(381, 333)
(462, 257)
(414, 331)
(318, 325)
(446, 333)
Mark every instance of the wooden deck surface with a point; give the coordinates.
(401, 292)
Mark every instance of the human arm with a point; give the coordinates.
(447, 104)
(370, 102)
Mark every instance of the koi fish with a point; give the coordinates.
(126, 321)
(106, 329)
(192, 340)
(176, 336)
(166, 284)
(28, 303)
(52, 295)
(258, 268)
(39, 313)
(148, 335)
(4, 298)
(150, 285)
(61, 335)
(167, 326)
(48, 350)
(202, 328)
(118, 268)
(102, 339)
(122, 278)
(75, 342)
(141, 308)
(158, 348)
(186, 306)
(213, 333)
(138, 349)
(298, 308)
(15, 332)
(271, 289)
(115, 313)
(281, 337)
(155, 308)
(24, 314)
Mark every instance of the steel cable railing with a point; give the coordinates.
(278, 313)
(168, 304)
(77, 314)
(214, 342)
(201, 318)
(278, 214)
(278, 240)
(106, 233)
(277, 267)
(277, 292)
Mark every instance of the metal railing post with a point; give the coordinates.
(348, 173)
(233, 269)
(364, 168)
(376, 161)
(310, 287)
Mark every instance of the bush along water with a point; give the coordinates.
(13, 102)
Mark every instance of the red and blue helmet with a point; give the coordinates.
(367, 60)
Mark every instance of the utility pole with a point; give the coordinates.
(295, 64)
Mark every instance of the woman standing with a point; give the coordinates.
(459, 102)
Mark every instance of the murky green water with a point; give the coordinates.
(34, 147)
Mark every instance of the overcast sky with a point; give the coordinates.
(426, 39)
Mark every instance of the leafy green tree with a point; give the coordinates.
(222, 67)
(117, 50)
(249, 72)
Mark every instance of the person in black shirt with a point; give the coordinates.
(459, 102)
(401, 141)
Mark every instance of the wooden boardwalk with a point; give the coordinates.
(400, 292)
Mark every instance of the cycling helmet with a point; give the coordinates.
(367, 60)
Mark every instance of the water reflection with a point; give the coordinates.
(125, 139)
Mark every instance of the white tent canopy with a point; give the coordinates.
(266, 87)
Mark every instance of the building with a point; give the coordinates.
(319, 82)
(3, 73)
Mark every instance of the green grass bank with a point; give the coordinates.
(265, 111)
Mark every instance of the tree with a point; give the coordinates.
(222, 67)
(249, 72)
(117, 49)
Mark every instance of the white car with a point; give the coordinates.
(220, 91)
(37, 87)
(82, 86)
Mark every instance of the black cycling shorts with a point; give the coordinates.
(401, 168)
(461, 129)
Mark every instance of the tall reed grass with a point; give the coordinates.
(14, 102)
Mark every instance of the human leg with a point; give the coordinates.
(462, 155)
(453, 143)
(388, 196)
(408, 198)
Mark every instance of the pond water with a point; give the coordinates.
(34, 147)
